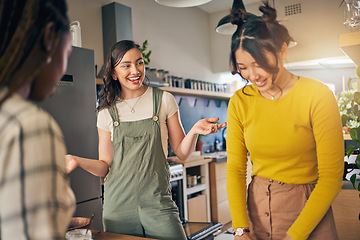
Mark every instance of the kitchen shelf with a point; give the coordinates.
(195, 189)
(350, 45)
(187, 91)
(201, 165)
(201, 93)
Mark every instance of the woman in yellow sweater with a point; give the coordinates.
(291, 128)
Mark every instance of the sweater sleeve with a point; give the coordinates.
(326, 125)
(236, 165)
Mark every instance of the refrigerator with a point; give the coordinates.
(73, 106)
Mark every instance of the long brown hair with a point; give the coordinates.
(22, 26)
(111, 88)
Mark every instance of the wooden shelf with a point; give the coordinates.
(203, 188)
(350, 45)
(195, 189)
(187, 92)
(201, 93)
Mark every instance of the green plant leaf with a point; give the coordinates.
(344, 119)
(349, 150)
(355, 134)
(357, 161)
(353, 179)
(357, 97)
(359, 188)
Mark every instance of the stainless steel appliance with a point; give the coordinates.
(176, 181)
(74, 108)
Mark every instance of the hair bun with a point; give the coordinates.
(237, 16)
(269, 13)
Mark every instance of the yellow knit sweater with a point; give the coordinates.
(296, 139)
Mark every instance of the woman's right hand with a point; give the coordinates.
(70, 163)
(246, 236)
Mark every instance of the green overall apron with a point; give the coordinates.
(137, 191)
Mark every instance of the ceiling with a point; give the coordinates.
(221, 5)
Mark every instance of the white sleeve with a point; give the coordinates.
(170, 104)
(104, 121)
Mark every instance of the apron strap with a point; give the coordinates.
(157, 99)
(114, 114)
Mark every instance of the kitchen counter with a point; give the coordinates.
(114, 236)
(348, 184)
(217, 157)
(193, 160)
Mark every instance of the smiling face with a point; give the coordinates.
(252, 71)
(130, 72)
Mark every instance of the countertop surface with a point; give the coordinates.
(114, 236)
(217, 157)
(197, 158)
(348, 184)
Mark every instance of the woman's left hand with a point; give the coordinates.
(206, 126)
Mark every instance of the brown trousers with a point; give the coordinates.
(274, 206)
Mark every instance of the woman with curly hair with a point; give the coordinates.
(35, 195)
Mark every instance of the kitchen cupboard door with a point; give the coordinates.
(220, 211)
(197, 209)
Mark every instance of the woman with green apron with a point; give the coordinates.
(135, 123)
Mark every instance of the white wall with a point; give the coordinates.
(184, 41)
(178, 37)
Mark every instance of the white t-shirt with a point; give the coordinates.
(143, 110)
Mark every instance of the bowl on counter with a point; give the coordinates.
(78, 222)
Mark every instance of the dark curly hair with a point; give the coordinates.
(257, 35)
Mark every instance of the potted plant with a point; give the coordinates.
(146, 55)
(349, 102)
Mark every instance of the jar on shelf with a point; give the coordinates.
(160, 74)
(181, 82)
(188, 83)
(166, 75)
(154, 72)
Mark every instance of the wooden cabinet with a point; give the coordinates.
(220, 211)
(350, 45)
(196, 198)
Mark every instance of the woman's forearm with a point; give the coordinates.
(187, 145)
(96, 167)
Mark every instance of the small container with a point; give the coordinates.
(188, 83)
(160, 73)
(181, 82)
(78, 234)
(166, 76)
(154, 72)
